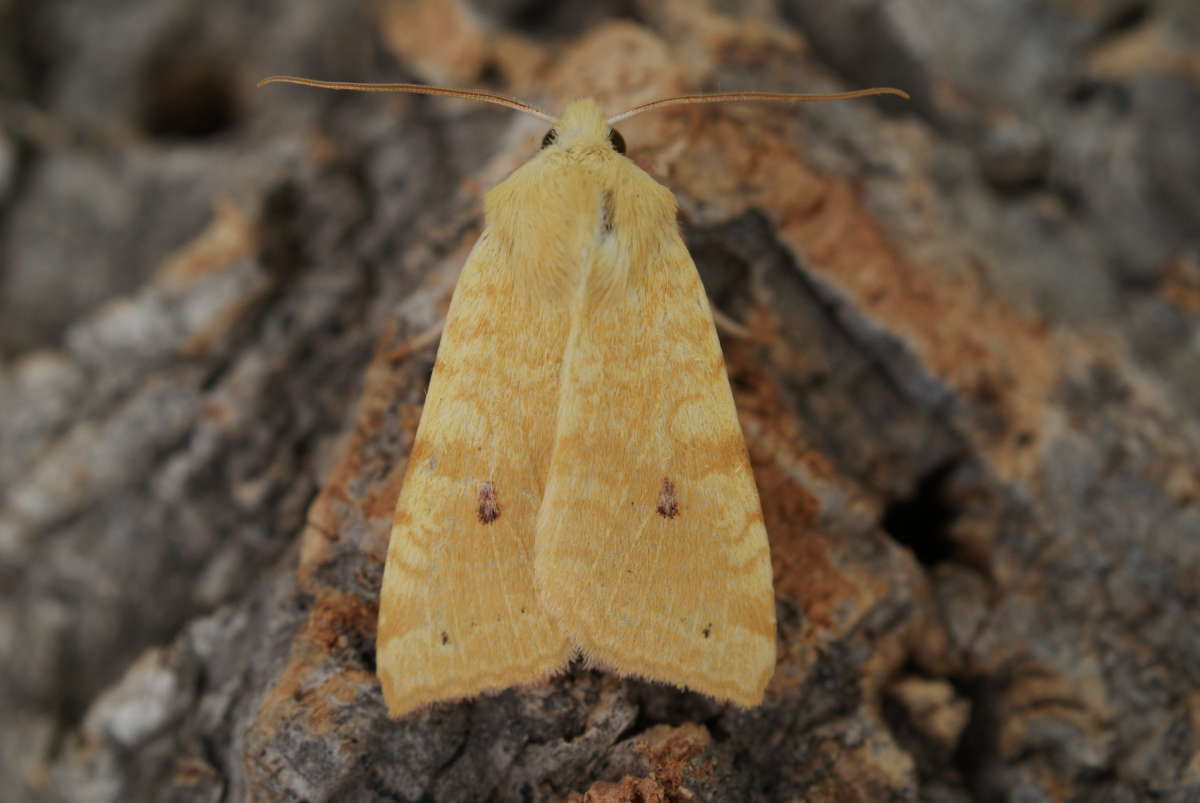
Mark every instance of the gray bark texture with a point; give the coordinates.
(970, 392)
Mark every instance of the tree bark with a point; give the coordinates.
(969, 390)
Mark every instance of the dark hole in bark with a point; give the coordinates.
(188, 98)
(922, 521)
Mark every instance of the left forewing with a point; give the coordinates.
(650, 549)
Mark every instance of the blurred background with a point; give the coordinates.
(970, 396)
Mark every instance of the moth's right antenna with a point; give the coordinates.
(412, 89)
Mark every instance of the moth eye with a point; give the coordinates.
(618, 141)
(550, 138)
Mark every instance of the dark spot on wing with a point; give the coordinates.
(489, 508)
(707, 631)
(608, 211)
(668, 505)
(445, 637)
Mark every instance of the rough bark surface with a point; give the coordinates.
(970, 395)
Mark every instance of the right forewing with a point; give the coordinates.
(458, 612)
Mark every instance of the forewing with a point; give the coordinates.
(458, 612)
(651, 549)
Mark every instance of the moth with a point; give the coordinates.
(579, 484)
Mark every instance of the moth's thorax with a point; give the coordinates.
(582, 123)
(578, 215)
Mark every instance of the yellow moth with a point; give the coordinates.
(579, 484)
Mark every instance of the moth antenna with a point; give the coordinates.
(412, 89)
(776, 97)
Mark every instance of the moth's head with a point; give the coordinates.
(583, 123)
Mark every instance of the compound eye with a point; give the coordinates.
(618, 141)
(550, 138)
